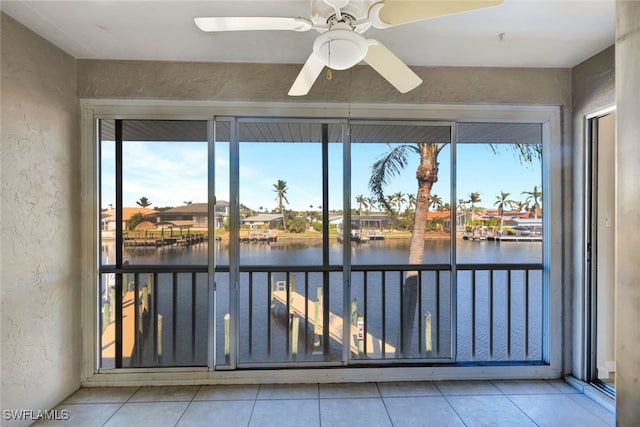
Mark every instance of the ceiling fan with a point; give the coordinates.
(341, 44)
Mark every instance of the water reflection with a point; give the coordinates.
(309, 252)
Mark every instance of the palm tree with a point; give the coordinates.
(533, 198)
(382, 171)
(362, 202)
(388, 167)
(371, 203)
(473, 199)
(390, 203)
(280, 189)
(462, 204)
(502, 202)
(520, 206)
(399, 200)
(143, 202)
(435, 201)
(411, 200)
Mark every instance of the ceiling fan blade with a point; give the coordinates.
(236, 23)
(391, 67)
(307, 76)
(388, 13)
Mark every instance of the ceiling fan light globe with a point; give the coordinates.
(340, 49)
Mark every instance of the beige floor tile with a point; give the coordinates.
(350, 390)
(361, 412)
(432, 411)
(148, 414)
(285, 413)
(418, 388)
(102, 395)
(525, 387)
(467, 388)
(555, 410)
(165, 394)
(288, 391)
(489, 411)
(227, 392)
(81, 415)
(217, 413)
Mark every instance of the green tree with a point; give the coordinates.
(473, 199)
(297, 225)
(134, 220)
(411, 201)
(398, 200)
(362, 203)
(435, 202)
(371, 204)
(533, 200)
(280, 188)
(503, 202)
(388, 167)
(144, 202)
(520, 206)
(382, 171)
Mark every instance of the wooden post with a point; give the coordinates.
(112, 298)
(106, 313)
(294, 335)
(159, 338)
(427, 332)
(227, 330)
(317, 317)
(361, 337)
(150, 291)
(354, 311)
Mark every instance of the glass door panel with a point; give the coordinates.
(154, 229)
(289, 299)
(400, 237)
(601, 346)
(499, 249)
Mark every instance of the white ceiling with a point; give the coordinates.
(538, 33)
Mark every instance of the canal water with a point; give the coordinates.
(498, 317)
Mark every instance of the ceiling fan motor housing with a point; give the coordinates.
(322, 12)
(340, 48)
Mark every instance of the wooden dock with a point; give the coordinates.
(151, 241)
(510, 238)
(373, 345)
(128, 330)
(474, 237)
(128, 326)
(259, 238)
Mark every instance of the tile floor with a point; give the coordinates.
(440, 403)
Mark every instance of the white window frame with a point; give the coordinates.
(548, 115)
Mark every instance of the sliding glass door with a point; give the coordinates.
(238, 243)
(154, 231)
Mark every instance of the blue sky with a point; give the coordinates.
(170, 173)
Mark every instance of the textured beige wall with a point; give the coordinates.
(628, 213)
(41, 352)
(269, 82)
(593, 89)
